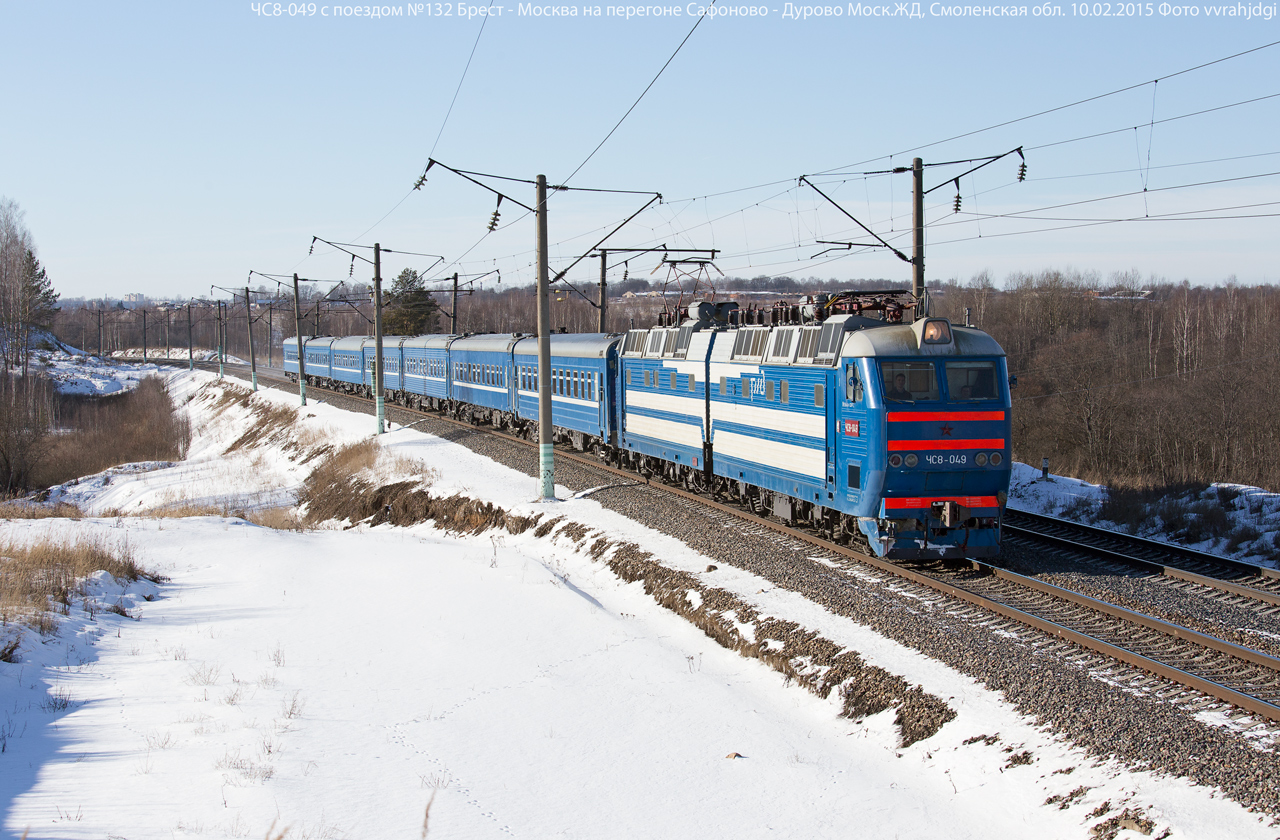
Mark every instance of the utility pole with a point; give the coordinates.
(604, 295)
(377, 335)
(271, 333)
(222, 357)
(166, 334)
(546, 454)
(917, 223)
(99, 333)
(191, 348)
(453, 318)
(248, 322)
(297, 326)
(144, 335)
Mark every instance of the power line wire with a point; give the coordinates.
(1069, 104)
(1153, 123)
(456, 91)
(643, 92)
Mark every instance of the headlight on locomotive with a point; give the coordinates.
(980, 459)
(911, 460)
(895, 460)
(996, 458)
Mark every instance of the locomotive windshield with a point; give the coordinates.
(909, 381)
(971, 381)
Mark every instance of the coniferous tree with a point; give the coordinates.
(410, 309)
(37, 302)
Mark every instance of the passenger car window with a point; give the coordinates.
(909, 381)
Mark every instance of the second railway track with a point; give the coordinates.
(1233, 577)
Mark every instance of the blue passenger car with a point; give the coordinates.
(583, 370)
(392, 362)
(316, 357)
(347, 363)
(426, 370)
(480, 378)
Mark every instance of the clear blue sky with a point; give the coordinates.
(163, 148)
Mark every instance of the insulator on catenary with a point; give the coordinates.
(493, 222)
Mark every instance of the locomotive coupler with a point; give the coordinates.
(950, 514)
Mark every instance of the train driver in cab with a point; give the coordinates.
(899, 389)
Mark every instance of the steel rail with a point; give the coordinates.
(1153, 545)
(1224, 693)
(1168, 571)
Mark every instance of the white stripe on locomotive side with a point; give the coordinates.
(772, 453)
(731, 370)
(683, 434)
(781, 420)
(690, 406)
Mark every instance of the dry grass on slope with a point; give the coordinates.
(46, 575)
(28, 510)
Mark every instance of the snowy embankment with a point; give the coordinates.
(1231, 520)
(75, 373)
(176, 354)
(340, 682)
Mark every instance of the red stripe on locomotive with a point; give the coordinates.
(914, 502)
(908, 445)
(946, 416)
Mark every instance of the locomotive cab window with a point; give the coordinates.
(909, 381)
(971, 381)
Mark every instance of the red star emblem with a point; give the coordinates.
(946, 430)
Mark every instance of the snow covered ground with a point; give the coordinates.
(177, 354)
(340, 682)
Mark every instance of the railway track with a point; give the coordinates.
(1123, 552)
(1175, 658)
